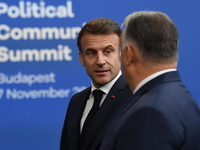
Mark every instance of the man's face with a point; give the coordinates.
(123, 57)
(123, 63)
(100, 56)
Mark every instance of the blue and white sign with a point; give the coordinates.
(40, 68)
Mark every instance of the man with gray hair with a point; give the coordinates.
(161, 115)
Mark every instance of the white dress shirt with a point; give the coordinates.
(150, 78)
(106, 88)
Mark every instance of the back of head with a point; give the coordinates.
(99, 26)
(155, 35)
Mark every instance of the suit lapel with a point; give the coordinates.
(107, 106)
(83, 104)
(79, 105)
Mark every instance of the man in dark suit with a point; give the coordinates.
(98, 42)
(161, 115)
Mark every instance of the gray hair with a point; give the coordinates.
(155, 35)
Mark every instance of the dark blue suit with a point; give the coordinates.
(161, 115)
(71, 139)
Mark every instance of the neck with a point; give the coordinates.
(144, 71)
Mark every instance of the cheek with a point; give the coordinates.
(88, 71)
(122, 66)
(125, 72)
(115, 63)
(89, 64)
(122, 61)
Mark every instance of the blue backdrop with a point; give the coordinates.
(40, 69)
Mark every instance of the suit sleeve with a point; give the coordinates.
(144, 129)
(64, 135)
(64, 139)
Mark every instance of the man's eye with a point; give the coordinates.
(90, 53)
(108, 51)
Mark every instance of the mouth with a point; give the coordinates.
(101, 72)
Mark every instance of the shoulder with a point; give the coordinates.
(77, 97)
(81, 93)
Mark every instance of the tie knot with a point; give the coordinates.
(97, 95)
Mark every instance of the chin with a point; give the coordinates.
(101, 83)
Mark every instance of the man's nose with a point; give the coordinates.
(100, 59)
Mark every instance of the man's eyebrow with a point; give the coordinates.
(109, 46)
(90, 49)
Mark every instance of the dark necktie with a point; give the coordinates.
(97, 99)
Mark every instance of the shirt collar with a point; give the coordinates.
(106, 88)
(150, 78)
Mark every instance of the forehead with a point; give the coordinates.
(99, 41)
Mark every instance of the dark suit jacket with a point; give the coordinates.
(71, 139)
(161, 115)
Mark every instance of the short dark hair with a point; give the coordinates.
(155, 34)
(99, 26)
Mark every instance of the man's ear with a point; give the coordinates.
(81, 59)
(132, 56)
